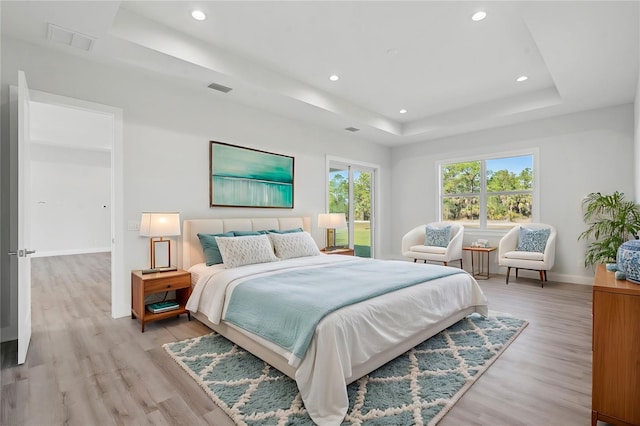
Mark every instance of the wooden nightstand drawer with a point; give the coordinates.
(167, 284)
(143, 285)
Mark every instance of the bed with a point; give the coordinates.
(348, 342)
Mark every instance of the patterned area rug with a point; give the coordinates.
(417, 388)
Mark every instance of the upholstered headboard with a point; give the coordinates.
(192, 250)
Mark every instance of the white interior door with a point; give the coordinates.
(23, 251)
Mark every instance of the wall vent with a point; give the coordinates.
(219, 88)
(70, 37)
(351, 129)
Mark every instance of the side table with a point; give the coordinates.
(480, 252)
(143, 285)
(345, 251)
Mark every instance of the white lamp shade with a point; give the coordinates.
(332, 220)
(155, 224)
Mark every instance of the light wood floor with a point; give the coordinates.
(84, 368)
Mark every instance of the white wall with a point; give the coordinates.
(637, 133)
(579, 153)
(167, 129)
(71, 202)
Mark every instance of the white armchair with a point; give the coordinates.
(413, 244)
(509, 256)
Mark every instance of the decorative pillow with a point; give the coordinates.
(294, 244)
(285, 231)
(533, 239)
(438, 237)
(239, 251)
(247, 233)
(210, 247)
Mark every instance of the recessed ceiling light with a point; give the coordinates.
(334, 78)
(522, 78)
(198, 15)
(403, 111)
(479, 16)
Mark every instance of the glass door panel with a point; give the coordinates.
(339, 200)
(362, 212)
(351, 192)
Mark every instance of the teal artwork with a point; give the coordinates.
(245, 177)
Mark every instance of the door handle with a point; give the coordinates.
(21, 253)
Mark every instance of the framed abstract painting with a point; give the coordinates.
(246, 177)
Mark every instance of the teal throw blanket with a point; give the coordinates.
(286, 308)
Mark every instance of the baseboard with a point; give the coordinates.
(71, 252)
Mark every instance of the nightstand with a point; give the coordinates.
(344, 251)
(143, 285)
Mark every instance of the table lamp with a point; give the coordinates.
(331, 221)
(156, 226)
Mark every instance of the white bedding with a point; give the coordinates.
(349, 336)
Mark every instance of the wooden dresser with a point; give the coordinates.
(616, 350)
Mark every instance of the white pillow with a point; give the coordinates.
(238, 251)
(295, 244)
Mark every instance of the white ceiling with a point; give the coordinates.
(453, 75)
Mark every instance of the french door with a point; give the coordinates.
(351, 191)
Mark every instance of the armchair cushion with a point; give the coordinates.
(533, 240)
(429, 249)
(524, 255)
(438, 237)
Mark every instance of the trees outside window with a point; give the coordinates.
(488, 194)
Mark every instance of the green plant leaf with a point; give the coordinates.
(611, 220)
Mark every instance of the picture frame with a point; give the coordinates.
(247, 177)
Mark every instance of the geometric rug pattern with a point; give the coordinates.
(417, 388)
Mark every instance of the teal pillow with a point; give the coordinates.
(210, 248)
(438, 237)
(533, 239)
(246, 233)
(285, 231)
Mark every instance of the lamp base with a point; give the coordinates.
(153, 270)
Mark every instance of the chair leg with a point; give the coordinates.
(461, 267)
(516, 272)
(445, 263)
(545, 276)
(509, 272)
(415, 260)
(542, 278)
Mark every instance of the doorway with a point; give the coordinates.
(105, 124)
(352, 191)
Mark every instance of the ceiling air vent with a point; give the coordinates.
(219, 88)
(70, 37)
(352, 129)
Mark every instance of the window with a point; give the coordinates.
(494, 193)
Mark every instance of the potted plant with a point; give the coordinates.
(611, 220)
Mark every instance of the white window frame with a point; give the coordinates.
(535, 211)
